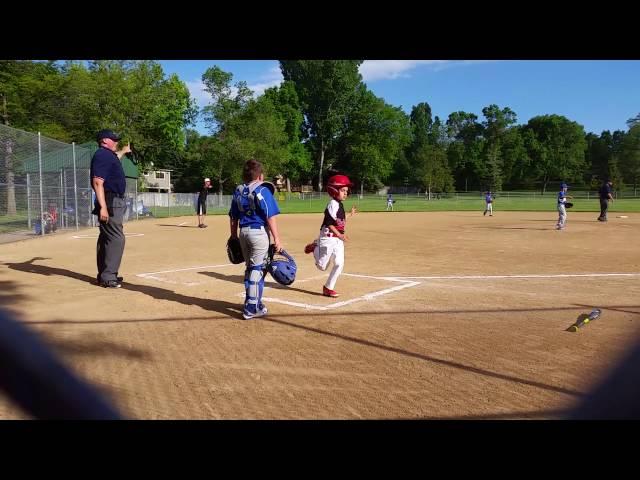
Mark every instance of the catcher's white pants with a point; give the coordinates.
(328, 248)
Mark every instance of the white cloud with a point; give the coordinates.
(272, 78)
(259, 88)
(372, 70)
(196, 89)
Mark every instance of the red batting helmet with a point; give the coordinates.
(336, 183)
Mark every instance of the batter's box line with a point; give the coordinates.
(366, 297)
(154, 275)
(499, 277)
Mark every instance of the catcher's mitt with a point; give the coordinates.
(568, 205)
(234, 251)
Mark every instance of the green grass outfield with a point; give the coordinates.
(403, 203)
(416, 204)
(11, 223)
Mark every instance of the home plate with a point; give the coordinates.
(622, 216)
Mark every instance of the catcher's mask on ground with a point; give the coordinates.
(335, 183)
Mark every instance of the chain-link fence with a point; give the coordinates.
(45, 184)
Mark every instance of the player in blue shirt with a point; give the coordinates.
(562, 211)
(253, 211)
(489, 198)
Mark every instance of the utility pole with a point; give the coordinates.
(5, 116)
(11, 192)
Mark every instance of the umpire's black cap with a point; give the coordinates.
(107, 134)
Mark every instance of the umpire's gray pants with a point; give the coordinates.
(604, 206)
(111, 243)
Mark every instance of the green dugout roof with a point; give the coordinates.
(58, 159)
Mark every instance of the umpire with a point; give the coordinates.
(605, 198)
(108, 182)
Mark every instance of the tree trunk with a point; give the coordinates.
(321, 165)
(11, 192)
(544, 185)
(288, 185)
(220, 183)
(361, 188)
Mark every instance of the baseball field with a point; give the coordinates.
(442, 315)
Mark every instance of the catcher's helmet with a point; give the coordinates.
(283, 271)
(336, 182)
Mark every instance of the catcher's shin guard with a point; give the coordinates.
(254, 285)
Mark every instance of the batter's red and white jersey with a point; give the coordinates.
(333, 215)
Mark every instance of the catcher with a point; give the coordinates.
(253, 210)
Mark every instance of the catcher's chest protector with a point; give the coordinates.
(246, 198)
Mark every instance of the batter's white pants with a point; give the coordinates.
(326, 249)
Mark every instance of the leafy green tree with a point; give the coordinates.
(327, 90)
(630, 157)
(556, 147)
(376, 135)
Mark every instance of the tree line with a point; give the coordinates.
(321, 119)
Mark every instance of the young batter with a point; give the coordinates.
(330, 243)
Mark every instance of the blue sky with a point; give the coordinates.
(599, 94)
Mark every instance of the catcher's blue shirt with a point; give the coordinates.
(253, 210)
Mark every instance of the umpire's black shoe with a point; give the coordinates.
(99, 282)
(111, 284)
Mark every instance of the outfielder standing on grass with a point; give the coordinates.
(562, 206)
(489, 198)
(390, 202)
(201, 206)
(330, 243)
(254, 209)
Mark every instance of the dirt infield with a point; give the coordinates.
(431, 322)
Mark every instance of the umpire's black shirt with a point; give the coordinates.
(106, 165)
(605, 190)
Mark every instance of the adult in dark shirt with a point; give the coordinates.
(201, 206)
(109, 184)
(605, 198)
